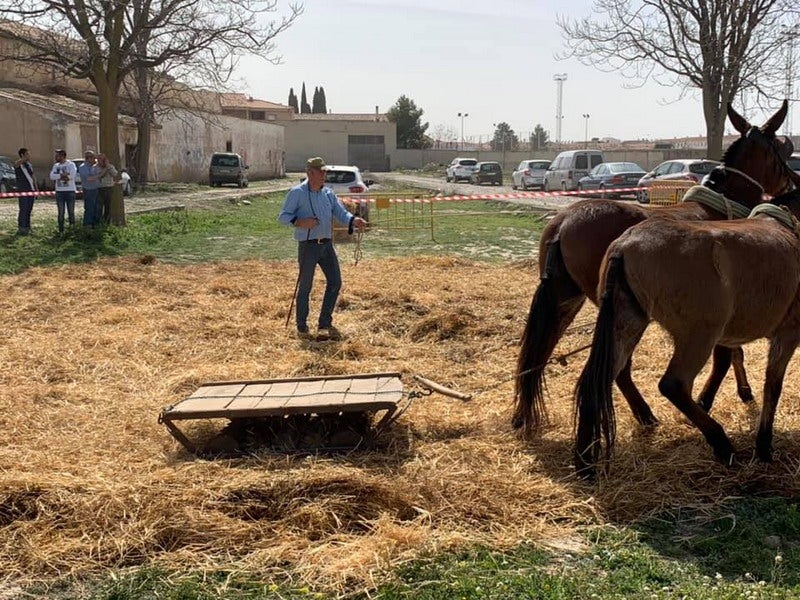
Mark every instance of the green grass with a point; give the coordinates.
(478, 230)
(724, 556)
(748, 548)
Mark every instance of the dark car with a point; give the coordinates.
(227, 167)
(684, 169)
(610, 176)
(8, 180)
(487, 172)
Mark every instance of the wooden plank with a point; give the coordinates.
(304, 395)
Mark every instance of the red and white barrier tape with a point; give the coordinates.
(24, 194)
(505, 196)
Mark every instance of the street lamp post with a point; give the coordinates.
(586, 130)
(559, 78)
(789, 34)
(463, 116)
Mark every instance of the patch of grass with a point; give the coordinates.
(672, 557)
(477, 230)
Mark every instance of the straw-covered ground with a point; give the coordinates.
(90, 481)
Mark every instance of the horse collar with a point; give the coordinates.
(703, 195)
(780, 213)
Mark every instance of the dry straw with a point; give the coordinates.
(91, 482)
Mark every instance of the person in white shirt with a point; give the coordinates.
(63, 173)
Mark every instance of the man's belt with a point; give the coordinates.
(319, 241)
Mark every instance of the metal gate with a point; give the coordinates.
(367, 152)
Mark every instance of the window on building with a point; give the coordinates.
(257, 115)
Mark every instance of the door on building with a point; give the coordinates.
(367, 152)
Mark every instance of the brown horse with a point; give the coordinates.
(707, 284)
(574, 242)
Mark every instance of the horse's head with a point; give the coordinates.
(760, 155)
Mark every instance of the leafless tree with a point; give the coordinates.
(719, 47)
(111, 41)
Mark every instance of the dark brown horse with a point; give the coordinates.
(707, 284)
(574, 242)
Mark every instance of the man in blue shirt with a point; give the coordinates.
(311, 208)
(90, 185)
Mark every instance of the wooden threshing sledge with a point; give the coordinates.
(306, 414)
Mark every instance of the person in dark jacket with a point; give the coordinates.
(26, 182)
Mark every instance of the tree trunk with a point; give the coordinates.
(108, 104)
(715, 124)
(145, 119)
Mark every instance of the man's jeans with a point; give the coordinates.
(91, 212)
(65, 200)
(309, 255)
(24, 215)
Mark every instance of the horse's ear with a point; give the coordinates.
(776, 120)
(739, 123)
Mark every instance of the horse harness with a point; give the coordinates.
(780, 214)
(716, 201)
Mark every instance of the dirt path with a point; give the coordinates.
(438, 184)
(45, 207)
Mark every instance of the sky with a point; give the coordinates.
(492, 60)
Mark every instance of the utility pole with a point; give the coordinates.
(463, 116)
(586, 131)
(790, 33)
(559, 78)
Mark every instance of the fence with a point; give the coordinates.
(664, 193)
(389, 212)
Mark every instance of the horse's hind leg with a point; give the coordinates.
(722, 359)
(742, 385)
(780, 352)
(640, 409)
(676, 385)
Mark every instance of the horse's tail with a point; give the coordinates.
(594, 407)
(539, 339)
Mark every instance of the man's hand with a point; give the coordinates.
(360, 223)
(307, 223)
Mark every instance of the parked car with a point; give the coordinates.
(529, 174)
(689, 169)
(8, 179)
(612, 175)
(794, 162)
(568, 167)
(348, 180)
(487, 172)
(460, 168)
(227, 167)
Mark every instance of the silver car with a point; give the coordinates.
(529, 174)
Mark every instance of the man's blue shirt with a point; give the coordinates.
(301, 203)
(86, 170)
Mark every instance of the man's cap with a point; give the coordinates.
(61, 151)
(89, 153)
(315, 163)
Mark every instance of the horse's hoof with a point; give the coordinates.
(764, 451)
(726, 454)
(746, 395)
(649, 422)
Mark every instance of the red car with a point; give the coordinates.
(691, 169)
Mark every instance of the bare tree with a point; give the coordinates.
(720, 47)
(108, 42)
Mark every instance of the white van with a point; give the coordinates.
(568, 167)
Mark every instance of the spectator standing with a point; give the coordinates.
(64, 173)
(26, 182)
(90, 185)
(311, 208)
(107, 176)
